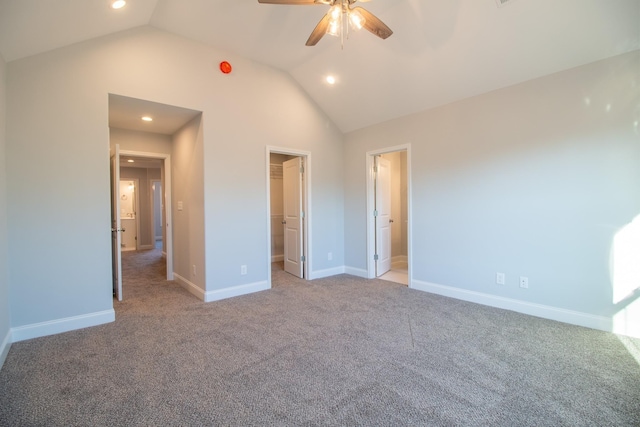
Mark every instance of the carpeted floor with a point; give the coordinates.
(335, 351)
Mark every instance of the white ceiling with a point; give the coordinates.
(441, 50)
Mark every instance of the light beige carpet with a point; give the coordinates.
(336, 351)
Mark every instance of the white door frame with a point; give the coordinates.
(371, 229)
(152, 182)
(166, 158)
(306, 205)
(116, 226)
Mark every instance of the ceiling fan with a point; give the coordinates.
(338, 19)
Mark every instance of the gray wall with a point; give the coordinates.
(146, 142)
(533, 180)
(4, 275)
(242, 113)
(188, 190)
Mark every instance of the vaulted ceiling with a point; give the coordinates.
(441, 50)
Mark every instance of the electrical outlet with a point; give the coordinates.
(243, 270)
(524, 282)
(330, 256)
(500, 278)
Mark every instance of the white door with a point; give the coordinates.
(383, 215)
(116, 228)
(292, 173)
(128, 214)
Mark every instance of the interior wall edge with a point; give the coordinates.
(4, 347)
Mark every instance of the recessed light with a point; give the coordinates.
(130, 161)
(331, 80)
(118, 4)
(147, 119)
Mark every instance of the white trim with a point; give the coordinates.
(277, 258)
(58, 326)
(545, 311)
(4, 347)
(306, 203)
(146, 247)
(189, 286)
(399, 261)
(327, 273)
(219, 294)
(236, 291)
(371, 250)
(358, 272)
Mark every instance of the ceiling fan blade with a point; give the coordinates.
(319, 31)
(287, 1)
(373, 24)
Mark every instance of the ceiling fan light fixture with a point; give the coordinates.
(340, 18)
(334, 28)
(335, 12)
(356, 19)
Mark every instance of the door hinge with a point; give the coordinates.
(302, 169)
(303, 258)
(375, 169)
(375, 257)
(375, 212)
(302, 214)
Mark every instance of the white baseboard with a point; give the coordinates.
(326, 273)
(189, 286)
(236, 291)
(359, 272)
(277, 258)
(4, 347)
(546, 312)
(58, 326)
(146, 247)
(399, 261)
(219, 294)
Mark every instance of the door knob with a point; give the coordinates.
(390, 221)
(284, 222)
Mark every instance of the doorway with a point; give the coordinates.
(127, 207)
(389, 214)
(288, 197)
